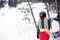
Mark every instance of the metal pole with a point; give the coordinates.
(32, 13)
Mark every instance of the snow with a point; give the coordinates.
(55, 28)
(12, 25)
(8, 29)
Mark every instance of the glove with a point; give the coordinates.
(38, 33)
(38, 36)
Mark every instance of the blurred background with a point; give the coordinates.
(18, 18)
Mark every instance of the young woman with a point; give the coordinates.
(43, 27)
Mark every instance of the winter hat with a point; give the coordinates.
(42, 12)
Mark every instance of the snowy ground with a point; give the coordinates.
(13, 27)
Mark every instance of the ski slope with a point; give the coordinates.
(12, 25)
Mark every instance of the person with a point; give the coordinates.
(43, 33)
(55, 29)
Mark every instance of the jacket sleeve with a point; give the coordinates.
(38, 30)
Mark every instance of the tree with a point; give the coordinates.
(1, 3)
(12, 3)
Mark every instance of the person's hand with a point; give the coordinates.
(37, 36)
